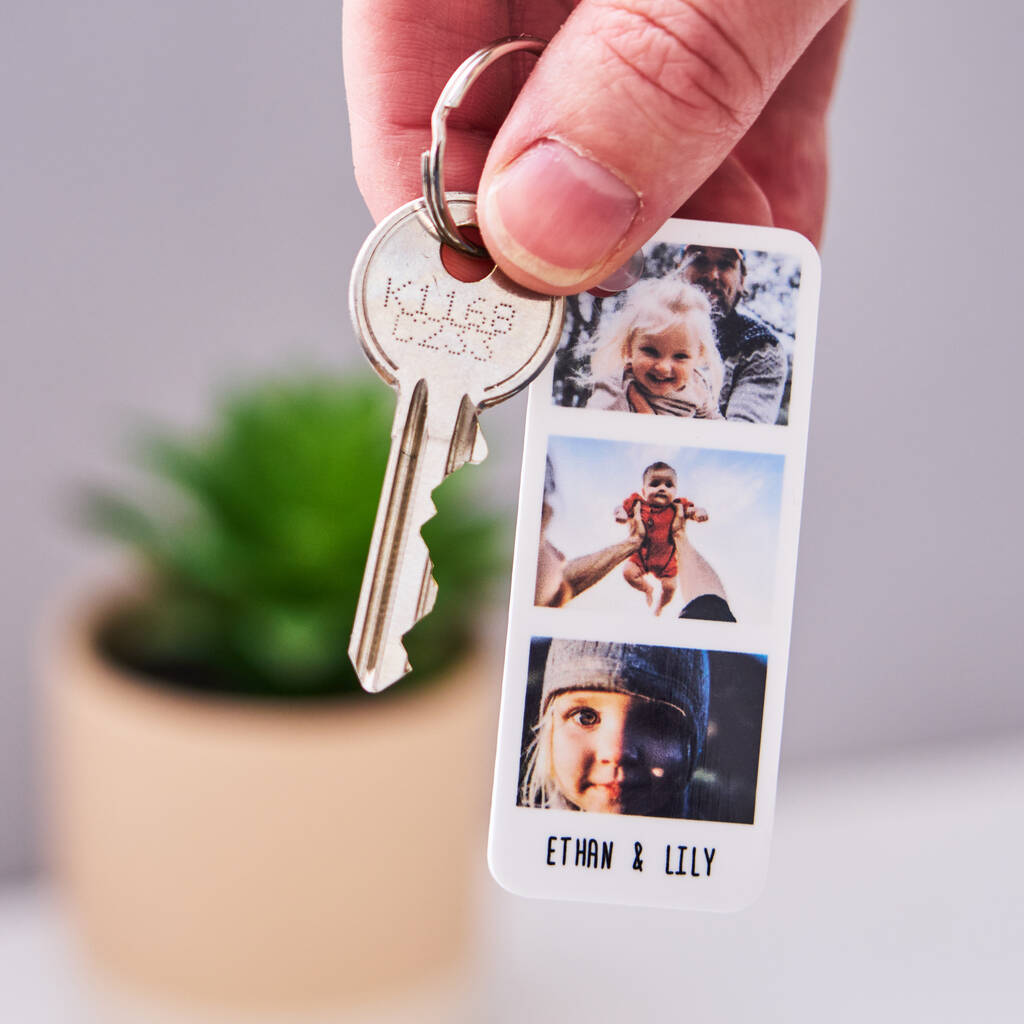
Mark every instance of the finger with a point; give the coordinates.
(397, 56)
(777, 172)
(633, 105)
(731, 195)
(786, 150)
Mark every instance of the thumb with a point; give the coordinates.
(632, 106)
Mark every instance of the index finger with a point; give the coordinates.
(398, 55)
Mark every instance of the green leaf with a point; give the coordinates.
(258, 542)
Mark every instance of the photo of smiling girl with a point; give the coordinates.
(658, 354)
(633, 729)
(709, 332)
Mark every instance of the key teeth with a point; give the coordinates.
(384, 670)
(425, 510)
(374, 680)
(428, 598)
(479, 452)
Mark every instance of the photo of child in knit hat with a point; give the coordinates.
(615, 728)
(697, 532)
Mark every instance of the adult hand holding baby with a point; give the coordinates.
(637, 530)
(636, 108)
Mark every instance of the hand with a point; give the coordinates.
(620, 515)
(698, 515)
(679, 521)
(637, 529)
(637, 108)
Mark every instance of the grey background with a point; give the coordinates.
(178, 210)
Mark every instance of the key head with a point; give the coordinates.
(486, 339)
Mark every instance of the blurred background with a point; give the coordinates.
(179, 214)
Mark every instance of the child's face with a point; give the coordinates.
(662, 362)
(660, 488)
(615, 753)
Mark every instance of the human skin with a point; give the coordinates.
(696, 577)
(636, 110)
(615, 753)
(559, 579)
(718, 273)
(662, 362)
(639, 579)
(660, 487)
(659, 491)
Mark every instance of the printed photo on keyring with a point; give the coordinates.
(636, 729)
(648, 530)
(708, 332)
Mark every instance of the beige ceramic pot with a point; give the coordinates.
(237, 860)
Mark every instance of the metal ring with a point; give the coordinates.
(432, 161)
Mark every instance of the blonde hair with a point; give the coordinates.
(652, 307)
(537, 788)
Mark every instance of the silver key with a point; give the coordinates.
(449, 349)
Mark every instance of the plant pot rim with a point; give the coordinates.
(67, 647)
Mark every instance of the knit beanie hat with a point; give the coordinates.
(740, 255)
(674, 676)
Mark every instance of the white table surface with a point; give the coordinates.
(896, 893)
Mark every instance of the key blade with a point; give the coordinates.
(468, 443)
(398, 586)
(377, 653)
(479, 448)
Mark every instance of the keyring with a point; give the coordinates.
(432, 160)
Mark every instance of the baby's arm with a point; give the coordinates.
(687, 510)
(622, 512)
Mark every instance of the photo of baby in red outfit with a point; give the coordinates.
(696, 534)
(656, 563)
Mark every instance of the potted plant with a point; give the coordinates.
(235, 826)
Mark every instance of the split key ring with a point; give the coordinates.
(432, 161)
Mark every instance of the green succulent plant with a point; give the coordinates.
(256, 540)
